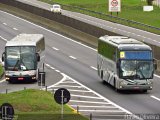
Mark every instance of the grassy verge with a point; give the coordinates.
(131, 10)
(1, 70)
(37, 105)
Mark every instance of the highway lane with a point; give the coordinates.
(117, 28)
(81, 70)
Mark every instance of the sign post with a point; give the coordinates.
(62, 96)
(41, 79)
(114, 6)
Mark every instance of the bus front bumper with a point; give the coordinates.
(20, 78)
(135, 87)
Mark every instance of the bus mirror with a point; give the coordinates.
(118, 65)
(3, 55)
(38, 57)
(155, 64)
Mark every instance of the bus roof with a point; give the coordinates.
(25, 40)
(125, 43)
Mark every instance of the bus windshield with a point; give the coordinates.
(20, 58)
(136, 69)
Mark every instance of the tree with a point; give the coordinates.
(150, 2)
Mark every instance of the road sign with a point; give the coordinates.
(41, 78)
(62, 96)
(6, 112)
(114, 5)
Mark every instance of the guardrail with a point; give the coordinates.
(111, 18)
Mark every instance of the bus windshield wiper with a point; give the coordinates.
(16, 64)
(23, 65)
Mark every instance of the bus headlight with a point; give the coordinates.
(149, 83)
(123, 83)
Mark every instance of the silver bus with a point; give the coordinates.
(22, 57)
(125, 63)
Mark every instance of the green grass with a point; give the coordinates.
(1, 70)
(37, 105)
(131, 9)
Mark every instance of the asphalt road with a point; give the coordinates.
(79, 62)
(117, 28)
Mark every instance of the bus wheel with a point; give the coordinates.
(115, 85)
(144, 91)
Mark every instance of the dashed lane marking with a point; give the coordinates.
(4, 23)
(94, 68)
(3, 38)
(55, 48)
(15, 29)
(50, 31)
(56, 70)
(73, 57)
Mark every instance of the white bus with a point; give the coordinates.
(125, 63)
(22, 57)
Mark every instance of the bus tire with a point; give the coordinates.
(144, 91)
(115, 85)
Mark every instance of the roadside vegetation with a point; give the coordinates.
(131, 10)
(34, 104)
(1, 70)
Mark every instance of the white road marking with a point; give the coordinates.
(107, 100)
(52, 68)
(4, 23)
(155, 98)
(50, 31)
(85, 96)
(3, 80)
(56, 70)
(157, 75)
(93, 68)
(82, 91)
(47, 65)
(82, 106)
(68, 86)
(110, 111)
(3, 38)
(68, 82)
(55, 48)
(64, 78)
(78, 101)
(73, 57)
(15, 29)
